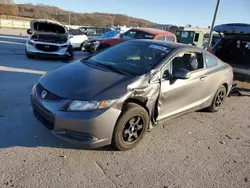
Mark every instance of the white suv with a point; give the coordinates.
(77, 39)
(48, 39)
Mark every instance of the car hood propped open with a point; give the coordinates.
(41, 25)
(233, 29)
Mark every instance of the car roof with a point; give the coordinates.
(153, 31)
(170, 45)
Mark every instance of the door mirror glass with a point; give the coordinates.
(166, 75)
(29, 31)
(182, 74)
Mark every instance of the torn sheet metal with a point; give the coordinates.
(235, 91)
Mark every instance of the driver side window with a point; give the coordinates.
(191, 61)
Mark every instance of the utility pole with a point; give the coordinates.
(212, 26)
(69, 17)
(105, 23)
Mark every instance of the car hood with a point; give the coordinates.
(80, 81)
(233, 28)
(113, 41)
(34, 23)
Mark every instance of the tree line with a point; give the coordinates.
(66, 17)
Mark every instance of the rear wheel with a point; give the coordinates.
(218, 99)
(130, 127)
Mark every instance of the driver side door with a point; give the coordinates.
(177, 96)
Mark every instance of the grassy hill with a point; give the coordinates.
(54, 13)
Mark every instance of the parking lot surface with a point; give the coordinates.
(199, 149)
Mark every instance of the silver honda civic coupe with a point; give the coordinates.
(117, 95)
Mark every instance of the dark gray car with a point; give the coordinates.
(115, 96)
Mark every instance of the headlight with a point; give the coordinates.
(96, 43)
(89, 105)
(64, 46)
(33, 91)
(31, 42)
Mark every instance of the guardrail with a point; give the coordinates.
(19, 24)
(15, 24)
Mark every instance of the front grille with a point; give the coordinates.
(49, 125)
(49, 96)
(47, 48)
(43, 115)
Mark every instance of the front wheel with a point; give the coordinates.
(130, 127)
(69, 55)
(28, 55)
(218, 99)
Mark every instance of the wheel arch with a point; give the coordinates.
(139, 101)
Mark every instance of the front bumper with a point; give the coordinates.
(90, 129)
(91, 46)
(32, 50)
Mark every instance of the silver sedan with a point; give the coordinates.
(115, 96)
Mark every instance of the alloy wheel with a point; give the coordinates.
(133, 129)
(219, 98)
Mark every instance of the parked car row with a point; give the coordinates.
(136, 33)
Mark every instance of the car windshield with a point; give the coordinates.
(135, 34)
(132, 57)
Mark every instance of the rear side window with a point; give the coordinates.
(170, 38)
(161, 38)
(210, 61)
(196, 38)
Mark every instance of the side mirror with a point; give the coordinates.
(29, 31)
(71, 36)
(182, 74)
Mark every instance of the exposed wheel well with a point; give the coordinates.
(226, 86)
(136, 101)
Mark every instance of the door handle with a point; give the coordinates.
(203, 78)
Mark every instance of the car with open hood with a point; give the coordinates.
(48, 39)
(115, 96)
(135, 33)
(234, 47)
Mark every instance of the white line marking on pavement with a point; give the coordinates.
(11, 69)
(8, 42)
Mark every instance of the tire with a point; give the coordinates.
(102, 47)
(29, 56)
(124, 135)
(218, 99)
(81, 47)
(91, 48)
(70, 57)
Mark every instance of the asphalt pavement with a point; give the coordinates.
(199, 149)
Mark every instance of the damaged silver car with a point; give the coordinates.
(48, 39)
(117, 95)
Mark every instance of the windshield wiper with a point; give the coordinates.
(110, 67)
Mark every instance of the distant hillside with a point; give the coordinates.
(55, 13)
